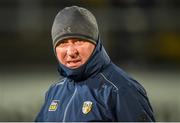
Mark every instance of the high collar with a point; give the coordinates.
(98, 60)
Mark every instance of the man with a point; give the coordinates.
(93, 88)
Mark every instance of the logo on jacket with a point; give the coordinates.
(54, 105)
(87, 106)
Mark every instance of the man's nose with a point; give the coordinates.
(72, 51)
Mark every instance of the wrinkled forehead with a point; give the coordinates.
(73, 39)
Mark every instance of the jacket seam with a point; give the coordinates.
(109, 81)
(61, 83)
(65, 112)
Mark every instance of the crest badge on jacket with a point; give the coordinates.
(87, 107)
(54, 105)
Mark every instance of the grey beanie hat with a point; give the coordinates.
(74, 22)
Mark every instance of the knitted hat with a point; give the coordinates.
(74, 22)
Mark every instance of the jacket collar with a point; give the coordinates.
(98, 60)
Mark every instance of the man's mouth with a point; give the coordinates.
(73, 63)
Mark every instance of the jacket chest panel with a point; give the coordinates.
(57, 103)
(86, 106)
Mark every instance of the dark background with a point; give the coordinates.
(141, 36)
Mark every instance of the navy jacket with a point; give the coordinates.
(97, 91)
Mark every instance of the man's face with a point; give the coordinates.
(74, 52)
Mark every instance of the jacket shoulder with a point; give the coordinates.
(58, 83)
(120, 79)
(55, 86)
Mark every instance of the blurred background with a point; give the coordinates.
(141, 36)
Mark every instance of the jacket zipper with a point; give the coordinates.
(65, 113)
